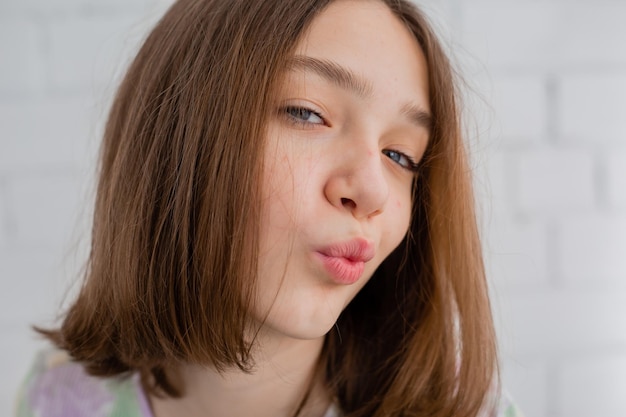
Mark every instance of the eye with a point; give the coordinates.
(402, 159)
(303, 115)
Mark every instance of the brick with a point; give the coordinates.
(492, 184)
(593, 387)
(91, 53)
(552, 180)
(592, 249)
(555, 35)
(22, 66)
(4, 218)
(520, 108)
(592, 108)
(48, 133)
(544, 323)
(526, 381)
(40, 279)
(489, 180)
(516, 253)
(49, 211)
(616, 179)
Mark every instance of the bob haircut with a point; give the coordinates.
(170, 277)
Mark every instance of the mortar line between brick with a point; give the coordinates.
(552, 254)
(552, 108)
(45, 54)
(552, 381)
(600, 181)
(5, 213)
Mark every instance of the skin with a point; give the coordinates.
(336, 169)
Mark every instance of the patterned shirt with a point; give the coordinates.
(59, 387)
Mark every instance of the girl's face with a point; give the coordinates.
(348, 129)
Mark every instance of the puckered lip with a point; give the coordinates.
(353, 250)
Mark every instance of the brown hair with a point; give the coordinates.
(170, 277)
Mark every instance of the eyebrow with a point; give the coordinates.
(332, 72)
(348, 80)
(418, 116)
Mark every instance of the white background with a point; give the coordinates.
(547, 135)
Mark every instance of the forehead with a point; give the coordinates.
(366, 38)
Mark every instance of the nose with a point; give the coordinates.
(359, 184)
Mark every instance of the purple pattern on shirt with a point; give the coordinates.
(55, 394)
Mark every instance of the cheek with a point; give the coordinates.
(286, 184)
(402, 209)
(398, 220)
(401, 202)
(285, 166)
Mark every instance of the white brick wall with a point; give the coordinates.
(520, 102)
(5, 223)
(592, 250)
(75, 62)
(616, 179)
(576, 385)
(592, 107)
(548, 140)
(554, 183)
(48, 133)
(559, 36)
(22, 59)
(552, 180)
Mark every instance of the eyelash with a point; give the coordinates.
(287, 111)
(411, 165)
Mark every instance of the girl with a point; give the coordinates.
(284, 226)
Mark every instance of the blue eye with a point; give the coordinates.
(401, 159)
(302, 115)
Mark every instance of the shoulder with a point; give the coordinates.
(56, 386)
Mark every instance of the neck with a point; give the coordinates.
(284, 372)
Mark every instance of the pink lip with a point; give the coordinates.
(345, 262)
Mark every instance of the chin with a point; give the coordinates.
(302, 321)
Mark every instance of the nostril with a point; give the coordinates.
(346, 202)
